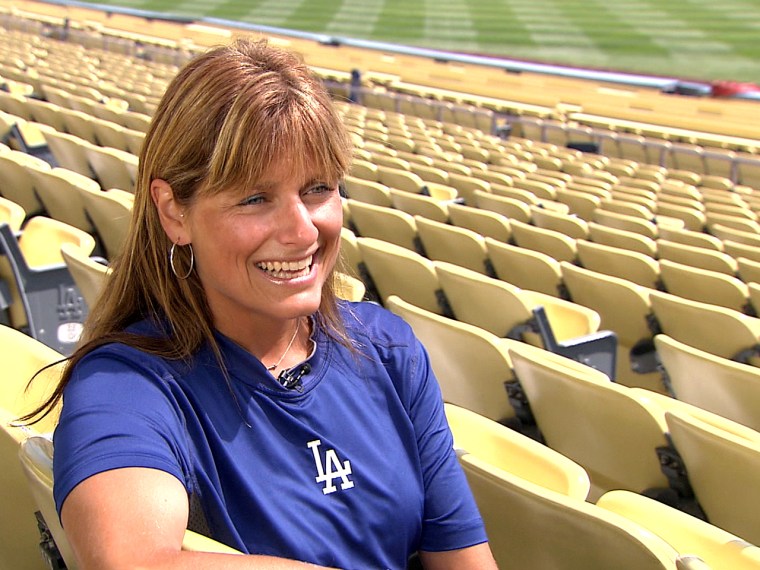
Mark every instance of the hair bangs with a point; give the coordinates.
(293, 123)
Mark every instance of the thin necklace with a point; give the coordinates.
(292, 340)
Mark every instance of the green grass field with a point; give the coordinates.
(694, 39)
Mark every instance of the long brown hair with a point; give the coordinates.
(222, 123)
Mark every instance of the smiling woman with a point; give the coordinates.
(221, 386)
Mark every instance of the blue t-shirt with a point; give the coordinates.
(353, 469)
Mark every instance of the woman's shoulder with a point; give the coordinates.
(128, 350)
(379, 325)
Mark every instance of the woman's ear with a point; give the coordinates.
(171, 214)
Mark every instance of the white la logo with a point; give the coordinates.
(333, 469)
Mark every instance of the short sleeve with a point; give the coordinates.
(116, 414)
(451, 517)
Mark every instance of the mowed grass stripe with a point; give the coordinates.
(236, 10)
(497, 25)
(449, 20)
(726, 22)
(608, 32)
(400, 21)
(313, 15)
(548, 27)
(356, 18)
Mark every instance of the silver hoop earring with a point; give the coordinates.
(174, 269)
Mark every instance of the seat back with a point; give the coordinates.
(738, 249)
(36, 455)
(12, 214)
(722, 468)
(525, 268)
(625, 222)
(348, 287)
(692, 217)
(466, 186)
(471, 365)
(350, 261)
(516, 453)
(395, 270)
(625, 309)
(367, 191)
(430, 173)
(581, 204)
(47, 113)
(717, 330)
(69, 151)
(737, 222)
(22, 357)
(599, 424)
(749, 270)
(686, 533)
(550, 242)
(110, 213)
(400, 179)
(364, 169)
(737, 235)
(568, 224)
(109, 134)
(420, 205)
(59, 192)
(705, 286)
(112, 167)
(532, 527)
(510, 207)
(697, 257)
(722, 386)
(81, 125)
(490, 304)
(484, 222)
(88, 274)
(622, 305)
(616, 237)
(387, 224)
(618, 262)
(460, 246)
(693, 238)
(16, 181)
(507, 311)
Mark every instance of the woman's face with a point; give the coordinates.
(264, 253)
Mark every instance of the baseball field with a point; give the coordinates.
(690, 39)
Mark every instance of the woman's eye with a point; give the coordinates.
(319, 189)
(252, 200)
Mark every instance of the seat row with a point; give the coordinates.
(633, 312)
(454, 232)
(693, 151)
(110, 167)
(523, 164)
(66, 196)
(543, 491)
(396, 143)
(619, 435)
(94, 74)
(64, 111)
(544, 228)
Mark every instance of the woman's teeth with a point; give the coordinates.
(286, 269)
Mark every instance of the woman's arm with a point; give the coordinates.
(136, 518)
(476, 557)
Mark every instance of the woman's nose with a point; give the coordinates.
(296, 224)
